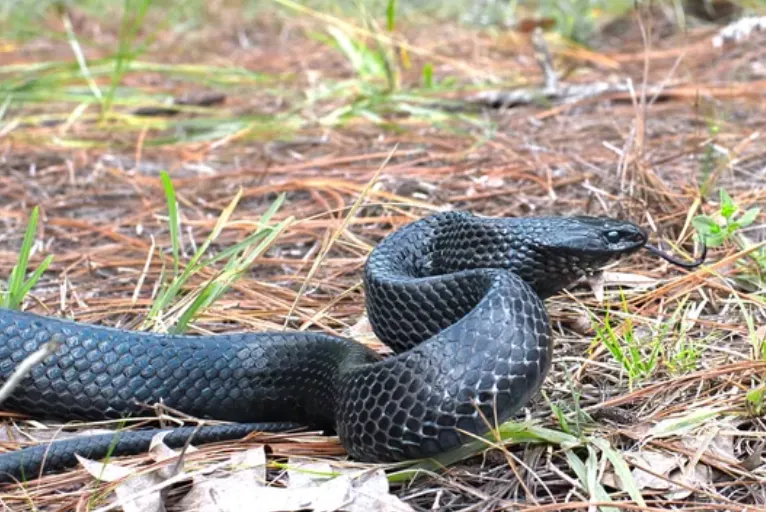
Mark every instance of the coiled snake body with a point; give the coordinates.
(459, 298)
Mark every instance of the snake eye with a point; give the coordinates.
(613, 237)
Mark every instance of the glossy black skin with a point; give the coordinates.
(459, 298)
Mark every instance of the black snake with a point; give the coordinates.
(458, 297)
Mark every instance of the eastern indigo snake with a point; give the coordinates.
(459, 299)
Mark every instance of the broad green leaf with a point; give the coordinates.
(749, 217)
(705, 225)
(756, 395)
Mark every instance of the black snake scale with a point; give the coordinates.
(458, 297)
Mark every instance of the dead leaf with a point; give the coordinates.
(315, 486)
(104, 471)
(628, 279)
(132, 497)
(308, 474)
(695, 478)
(760, 334)
(603, 279)
(721, 445)
(160, 452)
(251, 463)
(362, 332)
(755, 459)
(596, 283)
(581, 324)
(364, 492)
(128, 493)
(658, 462)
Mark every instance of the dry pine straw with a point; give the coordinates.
(100, 210)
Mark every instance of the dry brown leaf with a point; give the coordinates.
(601, 280)
(695, 477)
(251, 463)
(232, 491)
(132, 497)
(674, 468)
(721, 445)
(628, 279)
(318, 487)
(362, 332)
(308, 474)
(658, 462)
(104, 471)
(128, 492)
(361, 492)
(581, 324)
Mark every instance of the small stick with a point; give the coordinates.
(26, 366)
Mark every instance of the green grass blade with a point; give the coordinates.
(510, 432)
(587, 475)
(80, 57)
(235, 268)
(621, 469)
(223, 219)
(126, 36)
(206, 297)
(38, 272)
(683, 424)
(391, 15)
(174, 222)
(16, 280)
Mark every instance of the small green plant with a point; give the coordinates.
(716, 232)
(726, 226)
(18, 287)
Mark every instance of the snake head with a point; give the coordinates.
(601, 236)
(573, 247)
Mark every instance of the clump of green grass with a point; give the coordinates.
(173, 311)
(668, 344)
(18, 285)
(638, 359)
(91, 91)
(375, 92)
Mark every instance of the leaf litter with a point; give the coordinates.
(309, 485)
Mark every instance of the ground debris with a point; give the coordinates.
(311, 486)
